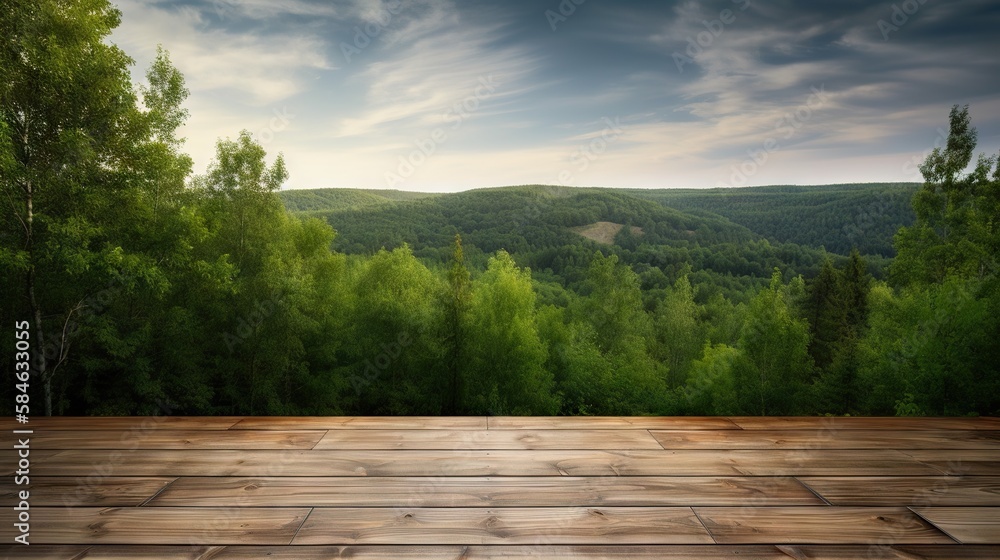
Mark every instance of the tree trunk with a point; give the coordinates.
(41, 372)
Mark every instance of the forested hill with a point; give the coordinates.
(837, 217)
(715, 233)
(327, 199)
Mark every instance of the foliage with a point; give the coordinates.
(152, 290)
(837, 217)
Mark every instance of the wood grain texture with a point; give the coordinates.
(485, 491)
(831, 439)
(129, 440)
(862, 423)
(119, 552)
(168, 526)
(907, 490)
(362, 423)
(67, 491)
(43, 424)
(959, 462)
(505, 552)
(488, 439)
(876, 551)
(818, 525)
(633, 525)
(510, 488)
(42, 552)
(610, 423)
(483, 463)
(968, 525)
(459, 552)
(8, 464)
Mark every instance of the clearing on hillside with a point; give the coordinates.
(603, 232)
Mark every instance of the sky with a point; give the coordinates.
(449, 95)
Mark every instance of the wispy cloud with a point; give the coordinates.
(355, 117)
(429, 64)
(250, 67)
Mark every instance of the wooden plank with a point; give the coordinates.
(964, 552)
(610, 423)
(848, 439)
(484, 491)
(633, 525)
(961, 462)
(907, 490)
(172, 439)
(482, 463)
(492, 439)
(818, 525)
(71, 491)
(877, 551)
(8, 465)
(862, 423)
(968, 525)
(362, 423)
(543, 552)
(125, 423)
(173, 526)
(116, 552)
(42, 552)
(507, 552)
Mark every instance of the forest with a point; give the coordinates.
(151, 289)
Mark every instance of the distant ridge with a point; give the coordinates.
(837, 217)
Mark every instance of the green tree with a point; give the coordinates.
(240, 188)
(856, 285)
(614, 307)
(506, 357)
(250, 232)
(613, 335)
(936, 344)
(826, 310)
(956, 232)
(394, 351)
(774, 362)
(456, 316)
(76, 167)
(711, 384)
(679, 333)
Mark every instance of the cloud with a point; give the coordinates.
(252, 68)
(269, 9)
(420, 69)
(429, 64)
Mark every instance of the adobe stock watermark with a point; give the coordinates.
(249, 322)
(363, 36)
(55, 350)
(91, 484)
(787, 127)
(563, 11)
(911, 168)
(455, 116)
(279, 122)
(374, 368)
(868, 218)
(704, 39)
(901, 14)
(224, 8)
(583, 156)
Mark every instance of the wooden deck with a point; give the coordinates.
(479, 488)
